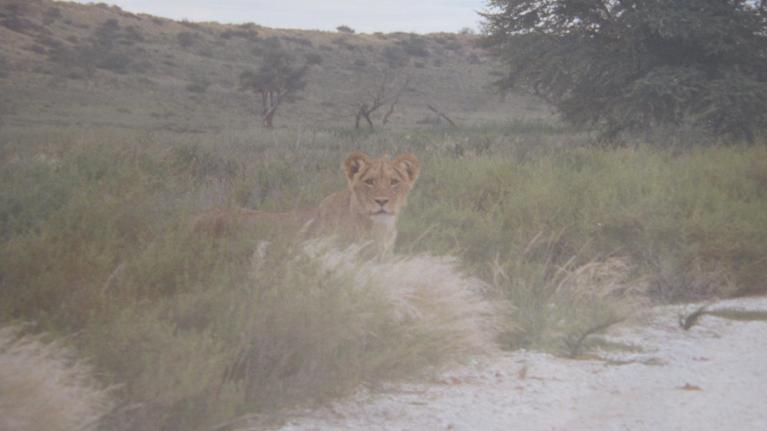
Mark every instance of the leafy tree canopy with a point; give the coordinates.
(278, 73)
(633, 64)
(276, 80)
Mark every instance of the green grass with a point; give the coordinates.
(740, 315)
(554, 240)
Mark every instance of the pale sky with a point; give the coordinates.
(422, 16)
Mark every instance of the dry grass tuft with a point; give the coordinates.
(429, 292)
(43, 389)
(558, 306)
(331, 320)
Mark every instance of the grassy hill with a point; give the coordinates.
(66, 63)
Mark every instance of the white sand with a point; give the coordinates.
(713, 377)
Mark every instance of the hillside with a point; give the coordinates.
(71, 64)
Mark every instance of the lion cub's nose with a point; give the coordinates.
(381, 202)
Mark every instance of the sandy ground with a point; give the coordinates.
(712, 377)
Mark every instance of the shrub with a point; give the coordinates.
(186, 39)
(415, 46)
(302, 41)
(117, 62)
(313, 58)
(51, 15)
(265, 46)
(395, 56)
(247, 34)
(131, 35)
(192, 25)
(453, 45)
(37, 49)
(345, 29)
(198, 85)
(343, 42)
(20, 24)
(111, 48)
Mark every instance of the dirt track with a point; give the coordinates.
(712, 377)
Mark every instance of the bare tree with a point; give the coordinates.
(387, 92)
(277, 81)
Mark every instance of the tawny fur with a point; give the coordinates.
(366, 211)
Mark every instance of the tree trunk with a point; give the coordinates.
(273, 101)
(364, 112)
(268, 117)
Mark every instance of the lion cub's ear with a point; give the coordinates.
(354, 163)
(409, 165)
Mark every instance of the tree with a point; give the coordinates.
(345, 29)
(387, 92)
(277, 80)
(632, 64)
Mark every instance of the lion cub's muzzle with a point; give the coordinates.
(382, 210)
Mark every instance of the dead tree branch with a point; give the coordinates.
(441, 115)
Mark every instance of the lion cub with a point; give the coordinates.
(366, 211)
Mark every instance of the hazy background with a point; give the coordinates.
(394, 15)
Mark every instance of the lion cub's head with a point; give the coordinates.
(380, 186)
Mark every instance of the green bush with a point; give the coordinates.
(187, 38)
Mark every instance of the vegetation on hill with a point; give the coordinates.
(104, 66)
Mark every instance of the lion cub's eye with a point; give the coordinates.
(394, 182)
(369, 181)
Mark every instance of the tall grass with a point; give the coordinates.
(551, 241)
(555, 307)
(43, 388)
(694, 222)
